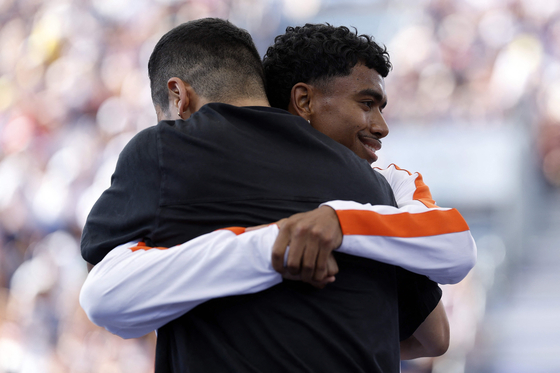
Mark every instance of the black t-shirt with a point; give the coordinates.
(231, 166)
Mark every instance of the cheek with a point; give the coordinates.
(348, 135)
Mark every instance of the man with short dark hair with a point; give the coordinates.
(201, 176)
(221, 69)
(197, 63)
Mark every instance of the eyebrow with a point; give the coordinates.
(375, 94)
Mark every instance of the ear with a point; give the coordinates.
(301, 100)
(183, 100)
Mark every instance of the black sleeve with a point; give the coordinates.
(418, 297)
(127, 210)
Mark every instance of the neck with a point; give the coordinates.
(249, 101)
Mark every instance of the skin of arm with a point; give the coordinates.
(430, 339)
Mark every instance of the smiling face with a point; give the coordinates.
(349, 109)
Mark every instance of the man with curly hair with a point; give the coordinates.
(220, 167)
(334, 79)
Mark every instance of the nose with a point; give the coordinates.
(379, 126)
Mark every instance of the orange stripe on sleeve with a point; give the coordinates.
(422, 192)
(142, 246)
(400, 169)
(430, 223)
(236, 230)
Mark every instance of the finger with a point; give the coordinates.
(321, 265)
(332, 265)
(279, 250)
(288, 276)
(297, 249)
(280, 223)
(323, 283)
(309, 260)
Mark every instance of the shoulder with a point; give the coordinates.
(407, 185)
(144, 138)
(141, 149)
(395, 175)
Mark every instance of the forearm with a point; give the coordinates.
(411, 348)
(131, 293)
(430, 339)
(435, 242)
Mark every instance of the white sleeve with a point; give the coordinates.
(418, 235)
(136, 289)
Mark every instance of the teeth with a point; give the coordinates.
(370, 147)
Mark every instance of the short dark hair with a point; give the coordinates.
(314, 54)
(218, 59)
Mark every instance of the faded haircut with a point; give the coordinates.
(219, 61)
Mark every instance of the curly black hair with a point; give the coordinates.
(314, 54)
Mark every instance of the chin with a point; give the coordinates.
(368, 159)
(371, 160)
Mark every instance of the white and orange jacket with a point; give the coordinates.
(136, 289)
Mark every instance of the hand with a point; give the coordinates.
(312, 236)
(332, 269)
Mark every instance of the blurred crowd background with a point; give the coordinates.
(474, 104)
